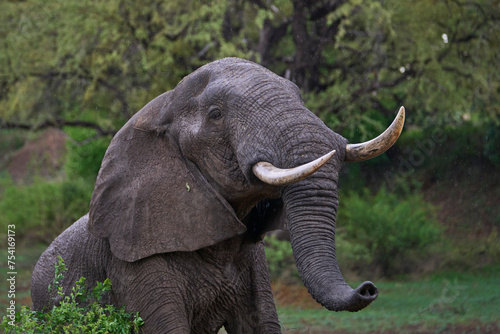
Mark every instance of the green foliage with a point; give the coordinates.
(435, 149)
(71, 317)
(381, 232)
(113, 55)
(491, 144)
(11, 140)
(388, 227)
(60, 267)
(280, 260)
(350, 58)
(352, 255)
(461, 253)
(43, 209)
(84, 154)
(492, 245)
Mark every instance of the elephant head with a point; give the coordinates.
(228, 152)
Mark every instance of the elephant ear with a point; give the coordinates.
(148, 199)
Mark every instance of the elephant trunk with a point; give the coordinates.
(311, 206)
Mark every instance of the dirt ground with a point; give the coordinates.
(43, 156)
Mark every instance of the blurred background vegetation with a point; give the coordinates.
(73, 72)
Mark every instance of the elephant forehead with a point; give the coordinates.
(259, 88)
(236, 67)
(233, 79)
(239, 73)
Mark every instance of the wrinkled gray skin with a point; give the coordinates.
(177, 216)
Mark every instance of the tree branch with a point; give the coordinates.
(374, 86)
(259, 4)
(326, 9)
(49, 75)
(119, 95)
(59, 123)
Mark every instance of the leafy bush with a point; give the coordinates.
(351, 254)
(280, 260)
(43, 209)
(83, 158)
(491, 144)
(70, 316)
(11, 140)
(381, 231)
(388, 227)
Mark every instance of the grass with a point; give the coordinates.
(440, 301)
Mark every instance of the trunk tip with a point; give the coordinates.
(366, 293)
(352, 300)
(368, 290)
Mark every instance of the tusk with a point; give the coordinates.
(371, 149)
(275, 176)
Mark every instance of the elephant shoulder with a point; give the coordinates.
(76, 245)
(84, 256)
(74, 239)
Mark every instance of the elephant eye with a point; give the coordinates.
(215, 114)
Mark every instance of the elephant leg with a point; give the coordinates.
(258, 312)
(150, 286)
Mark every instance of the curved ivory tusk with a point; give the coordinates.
(370, 149)
(275, 176)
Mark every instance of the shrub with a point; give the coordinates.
(389, 227)
(83, 159)
(280, 260)
(70, 316)
(381, 231)
(43, 209)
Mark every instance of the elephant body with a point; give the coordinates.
(228, 283)
(186, 191)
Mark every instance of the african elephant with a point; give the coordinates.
(187, 189)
